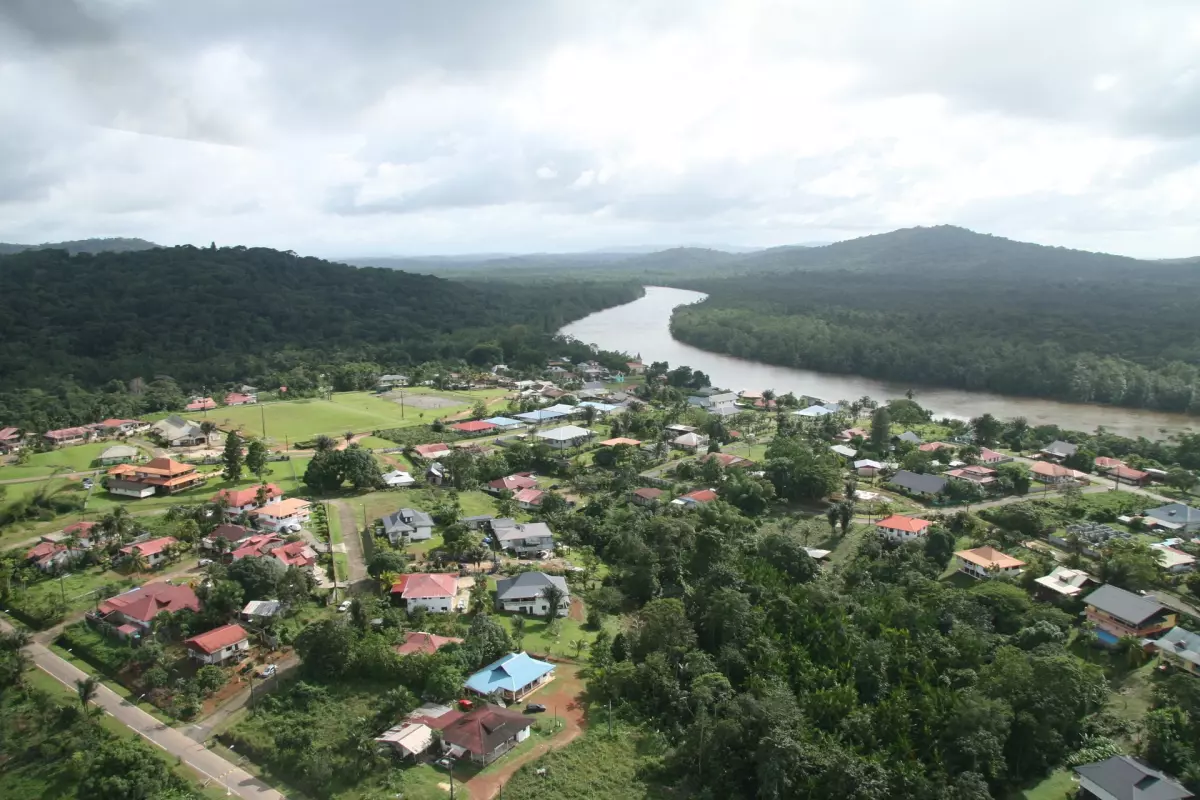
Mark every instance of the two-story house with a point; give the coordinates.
(523, 538)
(408, 525)
(1181, 649)
(1116, 613)
(158, 476)
(987, 562)
(526, 594)
(133, 612)
(286, 515)
(435, 592)
(243, 501)
(153, 550)
(903, 529)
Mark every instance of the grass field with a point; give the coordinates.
(424, 498)
(1060, 785)
(595, 765)
(360, 412)
(79, 588)
(540, 641)
(78, 458)
(375, 443)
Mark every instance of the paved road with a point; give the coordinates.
(211, 767)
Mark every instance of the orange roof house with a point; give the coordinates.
(983, 562)
(217, 639)
(620, 440)
(144, 604)
(432, 450)
(241, 498)
(424, 643)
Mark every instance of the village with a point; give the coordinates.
(199, 573)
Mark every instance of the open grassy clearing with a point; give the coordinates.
(543, 638)
(1060, 785)
(424, 498)
(375, 443)
(77, 458)
(78, 589)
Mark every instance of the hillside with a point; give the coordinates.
(206, 316)
(945, 306)
(114, 245)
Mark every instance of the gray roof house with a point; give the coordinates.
(1060, 449)
(179, 432)
(1126, 778)
(524, 593)
(910, 437)
(1180, 647)
(524, 538)
(1129, 608)
(408, 524)
(1176, 516)
(914, 483)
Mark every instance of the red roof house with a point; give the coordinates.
(698, 496)
(1124, 474)
(901, 528)
(246, 499)
(931, 447)
(513, 483)
(1104, 462)
(487, 733)
(8, 434)
(428, 451)
(646, 496)
(201, 404)
(621, 440)
(529, 497)
(474, 426)
(218, 644)
(140, 606)
(295, 554)
(424, 643)
(153, 550)
(431, 591)
(239, 399)
(725, 460)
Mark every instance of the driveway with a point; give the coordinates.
(351, 541)
(212, 768)
(201, 731)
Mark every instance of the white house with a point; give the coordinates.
(432, 591)
(284, 514)
(526, 594)
(986, 562)
(525, 539)
(903, 529)
(398, 479)
(243, 501)
(219, 644)
(690, 441)
(408, 524)
(565, 437)
(866, 468)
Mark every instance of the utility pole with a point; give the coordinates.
(401, 404)
(262, 411)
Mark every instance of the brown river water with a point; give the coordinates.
(642, 327)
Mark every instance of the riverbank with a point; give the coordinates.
(643, 328)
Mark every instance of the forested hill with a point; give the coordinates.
(948, 307)
(207, 316)
(114, 245)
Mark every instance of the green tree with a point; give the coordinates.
(87, 689)
(326, 648)
(1181, 479)
(881, 431)
(518, 629)
(256, 458)
(987, 429)
(479, 410)
(487, 639)
(554, 598)
(231, 458)
(939, 546)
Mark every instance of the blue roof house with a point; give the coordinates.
(540, 415)
(505, 423)
(515, 677)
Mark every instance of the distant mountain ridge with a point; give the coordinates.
(112, 245)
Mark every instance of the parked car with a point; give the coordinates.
(543, 554)
(87, 483)
(344, 606)
(268, 671)
(204, 562)
(535, 708)
(295, 527)
(445, 763)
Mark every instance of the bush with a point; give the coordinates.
(209, 679)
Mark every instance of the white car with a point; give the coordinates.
(295, 527)
(268, 671)
(344, 607)
(204, 562)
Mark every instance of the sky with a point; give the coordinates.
(389, 127)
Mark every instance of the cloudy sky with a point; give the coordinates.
(370, 127)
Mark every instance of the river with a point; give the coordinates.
(643, 328)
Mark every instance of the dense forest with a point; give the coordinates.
(112, 245)
(118, 333)
(947, 307)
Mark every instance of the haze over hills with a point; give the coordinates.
(111, 245)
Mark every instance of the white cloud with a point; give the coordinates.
(400, 127)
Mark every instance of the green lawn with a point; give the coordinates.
(334, 520)
(424, 498)
(595, 765)
(298, 420)
(79, 588)
(1060, 785)
(540, 641)
(341, 567)
(375, 443)
(288, 475)
(77, 458)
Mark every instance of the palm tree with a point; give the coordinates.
(117, 524)
(518, 630)
(554, 597)
(580, 645)
(87, 689)
(138, 562)
(208, 428)
(846, 515)
(832, 516)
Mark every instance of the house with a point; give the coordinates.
(866, 468)
(474, 427)
(515, 676)
(430, 591)
(50, 556)
(645, 496)
(436, 473)
(690, 441)
(478, 522)
(1126, 778)
(845, 451)
(397, 479)
(233, 534)
(512, 483)
(430, 452)
(621, 440)
(239, 399)
(201, 404)
(391, 381)
(933, 447)
(283, 515)
(66, 436)
(136, 609)
(254, 546)
(504, 423)
(528, 538)
(408, 739)
(816, 411)
(1104, 463)
(529, 499)
(903, 529)
(1116, 613)
(1180, 648)
(1176, 516)
(123, 427)
(295, 554)
(243, 501)
(83, 531)
(565, 437)
(424, 643)
(525, 594)
(987, 456)
(726, 460)
(635, 368)
(714, 401)
(974, 473)
(1056, 474)
(850, 434)
(1129, 475)
(408, 525)
(695, 498)
(918, 485)
(1065, 582)
(219, 644)
(677, 429)
(260, 610)
(119, 454)
(909, 437)
(153, 550)
(1172, 560)
(157, 476)
(539, 415)
(987, 562)
(1059, 450)
(485, 734)
(179, 432)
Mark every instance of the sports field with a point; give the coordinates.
(359, 412)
